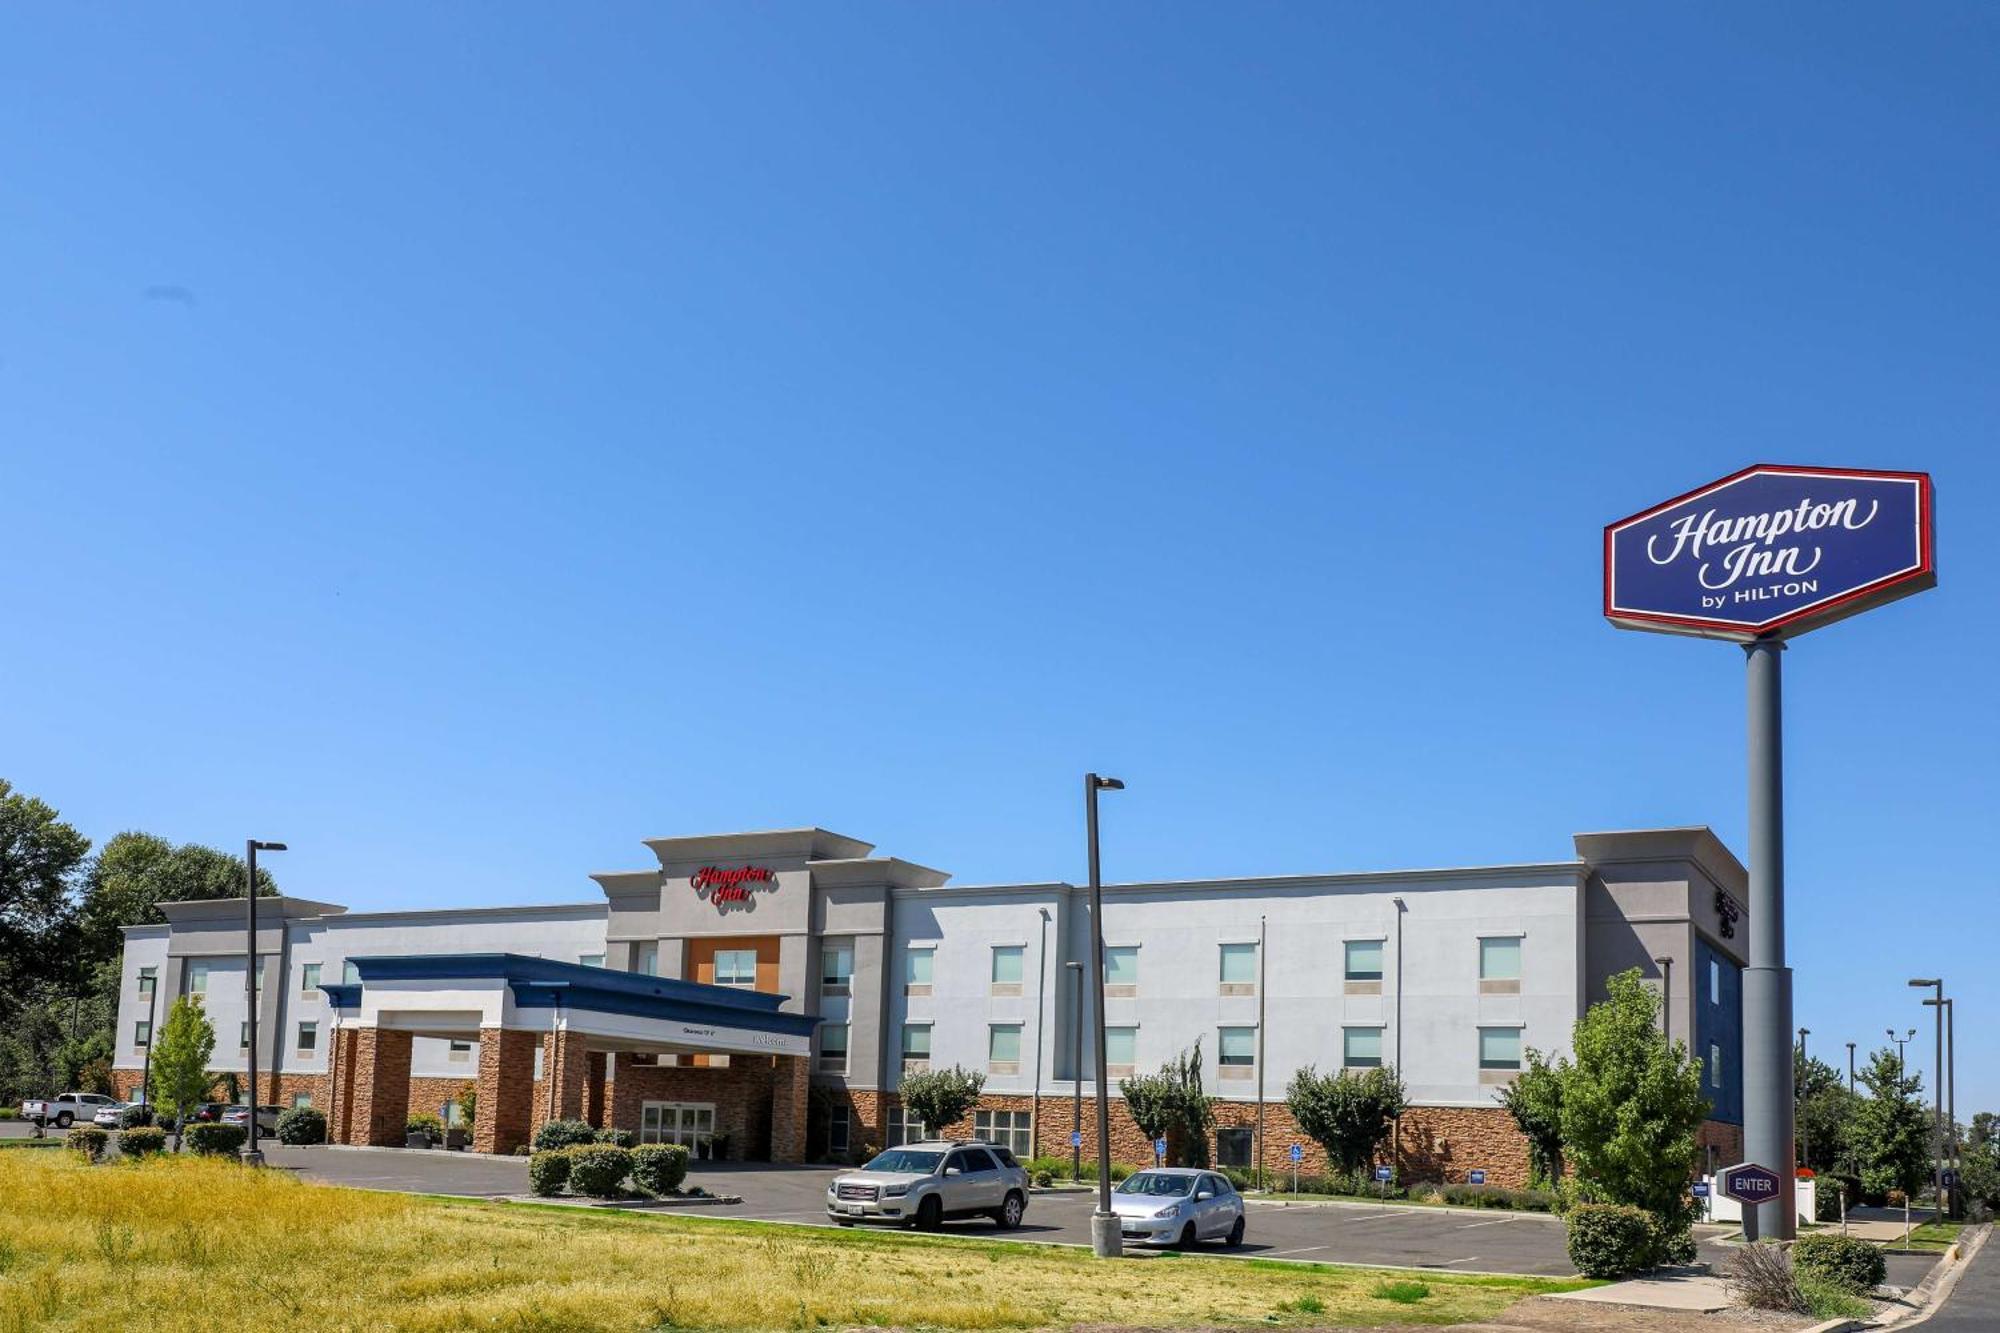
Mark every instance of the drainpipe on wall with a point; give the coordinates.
(1041, 1025)
(1396, 1135)
(1263, 939)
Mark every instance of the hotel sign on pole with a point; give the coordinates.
(1770, 552)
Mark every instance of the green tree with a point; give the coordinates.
(1979, 1161)
(1892, 1128)
(1824, 1111)
(1632, 1107)
(1173, 1101)
(128, 879)
(941, 1097)
(39, 860)
(1346, 1113)
(181, 1052)
(1535, 1101)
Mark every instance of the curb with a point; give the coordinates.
(1927, 1295)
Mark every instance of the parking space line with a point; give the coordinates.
(1496, 1222)
(1278, 1254)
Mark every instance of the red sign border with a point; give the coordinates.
(1798, 622)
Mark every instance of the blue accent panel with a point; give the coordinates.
(541, 983)
(1718, 1021)
(345, 995)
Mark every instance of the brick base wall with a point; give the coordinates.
(740, 1092)
(1726, 1139)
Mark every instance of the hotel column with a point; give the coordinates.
(1767, 983)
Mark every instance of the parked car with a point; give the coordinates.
(203, 1113)
(1178, 1206)
(923, 1184)
(267, 1117)
(66, 1110)
(122, 1115)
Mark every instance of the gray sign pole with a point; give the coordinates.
(1767, 982)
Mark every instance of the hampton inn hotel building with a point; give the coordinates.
(761, 995)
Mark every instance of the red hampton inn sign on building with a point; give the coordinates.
(721, 886)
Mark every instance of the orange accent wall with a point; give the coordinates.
(701, 966)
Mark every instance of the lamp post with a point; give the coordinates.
(1937, 1089)
(1666, 966)
(1105, 1241)
(1899, 1046)
(250, 1155)
(1850, 1067)
(1948, 1078)
(146, 1070)
(1076, 1069)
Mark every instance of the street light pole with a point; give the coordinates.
(250, 1155)
(1076, 1069)
(1105, 1240)
(1850, 1067)
(1805, 1149)
(1769, 1127)
(1937, 1090)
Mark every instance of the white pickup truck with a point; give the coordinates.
(66, 1110)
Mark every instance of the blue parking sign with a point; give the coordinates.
(1475, 1177)
(1076, 1138)
(1700, 1188)
(1160, 1149)
(1298, 1153)
(1383, 1173)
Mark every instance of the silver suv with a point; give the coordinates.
(922, 1184)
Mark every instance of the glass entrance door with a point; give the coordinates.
(690, 1124)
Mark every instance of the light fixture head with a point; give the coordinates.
(269, 846)
(1925, 981)
(1111, 784)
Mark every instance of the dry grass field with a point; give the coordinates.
(202, 1245)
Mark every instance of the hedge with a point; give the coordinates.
(212, 1138)
(301, 1126)
(1610, 1239)
(423, 1122)
(548, 1171)
(143, 1141)
(1853, 1265)
(617, 1138)
(564, 1134)
(659, 1168)
(88, 1140)
(599, 1170)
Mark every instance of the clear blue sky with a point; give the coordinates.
(462, 441)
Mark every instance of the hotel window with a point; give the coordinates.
(916, 1047)
(1714, 981)
(917, 970)
(736, 967)
(243, 1036)
(1500, 965)
(1007, 959)
(308, 978)
(1235, 1052)
(1121, 969)
(142, 1033)
(837, 1122)
(1003, 1048)
(1715, 1064)
(459, 1052)
(1121, 1051)
(350, 975)
(836, 969)
(1361, 1048)
(148, 978)
(1239, 969)
(1012, 1130)
(300, 1099)
(308, 1038)
(1363, 973)
(833, 1048)
(1499, 1051)
(905, 1128)
(1234, 1146)
(591, 959)
(649, 960)
(197, 977)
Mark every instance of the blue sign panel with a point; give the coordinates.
(1770, 552)
(1700, 1188)
(1750, 1183)
(1383, 1173)
(1950, 1179)
(1076, 1138)
(1298, 1153)
(1160, 1149)
(1475, 1177)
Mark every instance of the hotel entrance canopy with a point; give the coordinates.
(456, 995)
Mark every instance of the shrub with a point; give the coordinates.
(1609, 1239)
(1241, 1177)
(548, 1171)
(659, 1168)
(8, 1113)
(564, 1134)
(134, 1116)
(1851, 1265)
(1824, 1301)
(1760, 1276)
(941, 1097)
(598, 1170)
(1043, 1179)
(1054, 1166)
(143, 1141)
(617, 1138)
(423, 1122)
(1826, 1202)
(1673, 1240)
(214, 1139)
(1120, 1171)
(88, 1140)
(301, 1125)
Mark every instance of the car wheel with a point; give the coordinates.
(930, 1214)
(1235, 1232)
(1009, 1215)
(1186, 1240)
(64, 1120)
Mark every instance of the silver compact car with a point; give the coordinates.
(924, 1184)
(1178, 1206)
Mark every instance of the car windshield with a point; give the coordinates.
(1154, 1182)
(906, 1160)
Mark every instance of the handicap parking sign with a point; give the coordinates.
(1475, 1177)
(1076, 1138)
(1298, 1153)
(1383, 1173)
(1160, 1148)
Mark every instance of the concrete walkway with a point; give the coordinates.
(1688, 1290)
